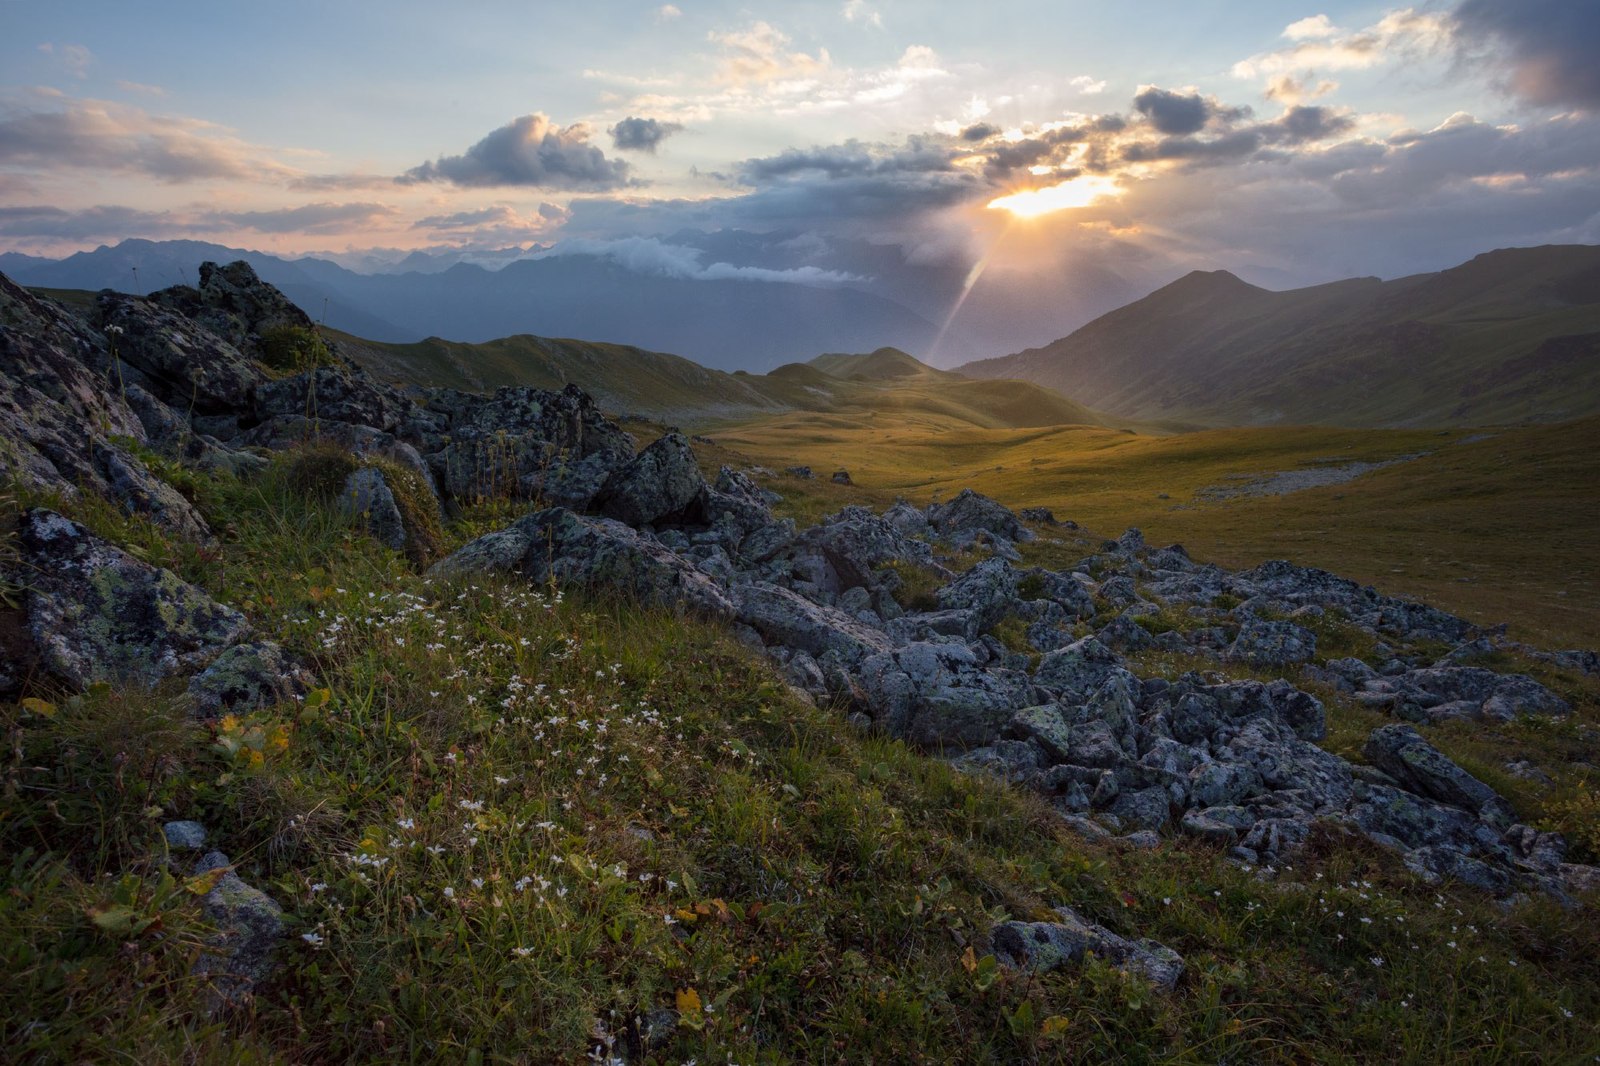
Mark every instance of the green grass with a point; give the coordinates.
(682, 832)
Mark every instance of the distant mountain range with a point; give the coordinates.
(1513, 335)
(730, 299)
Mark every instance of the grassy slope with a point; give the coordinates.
(1497, 529)
(798, 892)
(1511, 335)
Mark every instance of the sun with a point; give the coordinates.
(1078, 192)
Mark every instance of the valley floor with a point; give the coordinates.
(1495, 525)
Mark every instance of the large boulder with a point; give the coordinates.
(788, 620)
(662, 484)
(1402, 753)
(1272, 644)
(175, 358)
(595, 553)
(971, 513)
(97, 613)
(941, 696)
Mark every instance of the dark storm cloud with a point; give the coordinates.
(980, 131)
(1303, 123)
(1231, 146)
(1549, 49)
(850, 159)
(532, 151)
(1173, 113)
(641, 134)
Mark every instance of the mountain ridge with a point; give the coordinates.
(1507, 336)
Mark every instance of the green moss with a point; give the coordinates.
(419, 510)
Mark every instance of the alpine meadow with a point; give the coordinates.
(835, 532)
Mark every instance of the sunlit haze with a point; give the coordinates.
(872, 143)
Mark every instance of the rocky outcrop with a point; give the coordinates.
(557, 545)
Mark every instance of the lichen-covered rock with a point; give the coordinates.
(1438, 693)
(941, 696)
(247, 677)
(594, 553)
(333, 394)
(789, 620)
(1272, 644)
(184, 835)
(1042, 947)
(1402, 753)
(989, 590)
(249, 925)
(971, 513)
(1077, 670)
(176, 358)
(663, 483)
(98, 614)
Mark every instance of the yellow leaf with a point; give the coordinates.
(969, 959)
(1054, 1025)
(688, 1001)
(42, 708)
(203, 883)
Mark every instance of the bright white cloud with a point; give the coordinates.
(1317, 26)
(1397, 35)
(760, 53)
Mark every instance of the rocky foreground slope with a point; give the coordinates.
(1032, 674)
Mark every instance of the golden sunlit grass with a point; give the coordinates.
(1497, 527)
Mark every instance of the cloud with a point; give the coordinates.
(74, 57)
(107, 136)
(1288, 89)
(530, 150)
(1548, 50)
(141, 89)
(1088, 86)
(94, 223)
(1170, 112)
(1303, 123)
(858, 11)
(979, 131)
(1319, 46)
(340, 182)
(668, 12)
(1313, 28)
(319, 218)
(498, 224)
(760, 54)
(642, 134)
(651, 255)
(850, 159)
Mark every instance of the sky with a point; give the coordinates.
(1290, 142)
